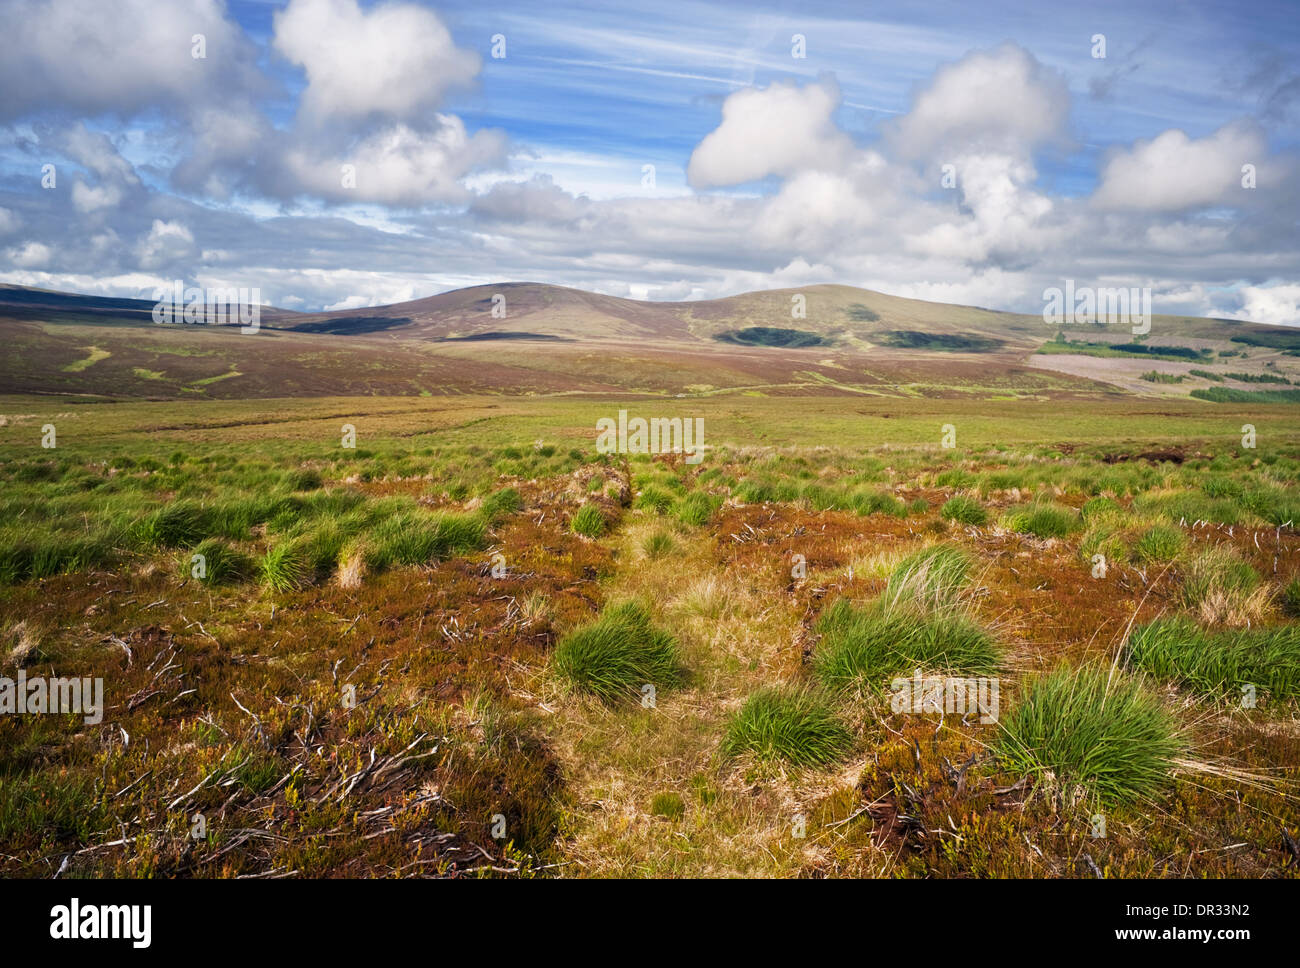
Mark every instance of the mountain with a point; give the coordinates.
(534, 338)
(835, 312)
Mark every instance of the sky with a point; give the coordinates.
(337, 154)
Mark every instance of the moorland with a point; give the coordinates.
(367, 600)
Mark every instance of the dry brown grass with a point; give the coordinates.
(26, 645)
(737, 635)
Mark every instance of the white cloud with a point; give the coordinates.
(400, 166)
(394, 61)
(86, 198)
(1001, 99)
(30, 255)
(817, 210)
(1173, 172)
(778, 130)
(1001, 215)
(120, 57)
(1270, 304)
(166, 243)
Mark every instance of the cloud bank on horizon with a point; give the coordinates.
(338, 154)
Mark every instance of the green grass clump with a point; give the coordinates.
(670, 806)
(654, 498)
(1221, 487)
(1220, 663)
(1081, 726)
(658, 545)
(286, 567)
(1160, 543)
(588, 521)
(878, 502)
(1218, 574)
(222, 564)
(504, 501)
(1190, 506)
(180, 524)
(40, 554)
(1103, 538)
(417, 538)
(15, 560)
(1042, 520)
(955, 477)
(757, 491)
(1276, 506)
(874, 644)
(618, 653)
(792, 723)
(930, 578)
(964, 510)
(1099, 509)
(695, 509)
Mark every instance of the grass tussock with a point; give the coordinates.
(916, 623)
(416, 538)
(616, 655)
(964, 510)
(588, 521)
(1042, 520)
(658, 544)
(874, 644)
(792, 723)
(696, 509)
(933, 577)
(218, 563)
(1080, 726)
(1222, 588)
(1220, 663)
(502, 502)
(286, 567)
(654, 498)
(1160, 543)
(1291, 598)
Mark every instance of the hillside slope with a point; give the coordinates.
(543, 339)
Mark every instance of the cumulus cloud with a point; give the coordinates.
(394, 61)
(30, 255)
(167, 243)
(368, 128)
(1002, 217)
(537, 200)
(1173, 172)
(1278, 304)
(1001, 99)
(91, 57)
(399, 165)
(778, 130)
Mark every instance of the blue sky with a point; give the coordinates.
(769, 170)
